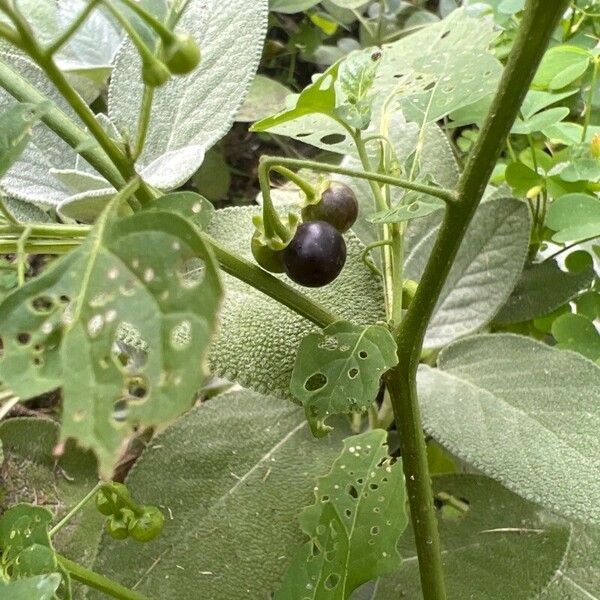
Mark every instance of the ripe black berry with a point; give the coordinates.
(316, 254)
(338, 207)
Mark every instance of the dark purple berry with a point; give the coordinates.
(316, 254)
(338, 207)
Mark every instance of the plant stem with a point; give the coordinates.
(97, 581)
(588, 108)
(83, 111)
(72, 28)
(266, 283)
(271, 221)
(447, 196)
(539, 20)
(309, 190)
(75, 510)
(61, 124)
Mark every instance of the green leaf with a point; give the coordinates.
(258, 338)
(521, 178)
(339, 370)
(243, 486)
(25, 212)
(62, 328)
(523, 413)
(577, 333)
(536, 100)
(414, 207)
(540, 121)
(318, 97)
(487, 267)
(291, 6)
(190, 114)
(30, 473)
(561, 66)
(542, 288)
(365, 487)
(574, 217)
(265, 97)
(498, 546)
(356, 78)
(15, 131)
(31, 588)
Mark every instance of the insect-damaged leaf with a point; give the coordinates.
(354, 525)
(338, 371)
(150, 274)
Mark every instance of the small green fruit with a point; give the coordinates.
(118, 525)
(147, 526)
(104, 505)
(182, 55)
(155, 73)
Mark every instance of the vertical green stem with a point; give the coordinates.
(75, 510)
(588, 108)
(539, 20)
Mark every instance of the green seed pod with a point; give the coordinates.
(182, 55)
(104, 505)
(118, 525)
(146, 527)
(155, 73)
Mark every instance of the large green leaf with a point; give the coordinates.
(31, 588)
(561, 66)
(542, 288)
(363, 499)
(577, 333)
(484, 273)
(338, 370)
(190, 114)
(258, 338)
(233, 475)
(62, 327)
(574, 217)
(523, 413)
(501, 547)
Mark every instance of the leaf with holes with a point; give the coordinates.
(486, 270)
(354, 525)
(339, 370)
(25, 543)
(191, 113)
(414, 206)
(243, 487)
(61, 328)
(523, 413)
(41, 587)
(515, 548)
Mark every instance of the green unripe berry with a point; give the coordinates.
(118, 525)
(269, 259)
(182, 55)
(155, 73)
(148, 525)
(104, 505)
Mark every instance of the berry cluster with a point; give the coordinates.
(125, 517)
(316, 254)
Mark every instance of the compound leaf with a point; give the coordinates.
(523, 413)
(339, 370)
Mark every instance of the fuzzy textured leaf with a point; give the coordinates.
(242, 486)
(515, 549)
(484, 273)
(190, 114)
(523, 413)
(258, 338)
(339, 370)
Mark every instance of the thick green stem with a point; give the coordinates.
(539, 20)
(309, 190)
(97, 581)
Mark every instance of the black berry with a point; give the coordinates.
(338, 207)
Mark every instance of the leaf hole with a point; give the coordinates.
(362, 354)
(315, 382)
(429, 86)
(23, 338)
(374, 530)
(330, 342)
(352, 491)
(373, 486)
(348, 513)
(137, 387)
(333, 138)
(43, 305)
(38, 361)
(332, 581)
(324, 498)
(303, 134)
(413, 207)
(181, 335)
(120, 410)
(352, 373)
(191, 272)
